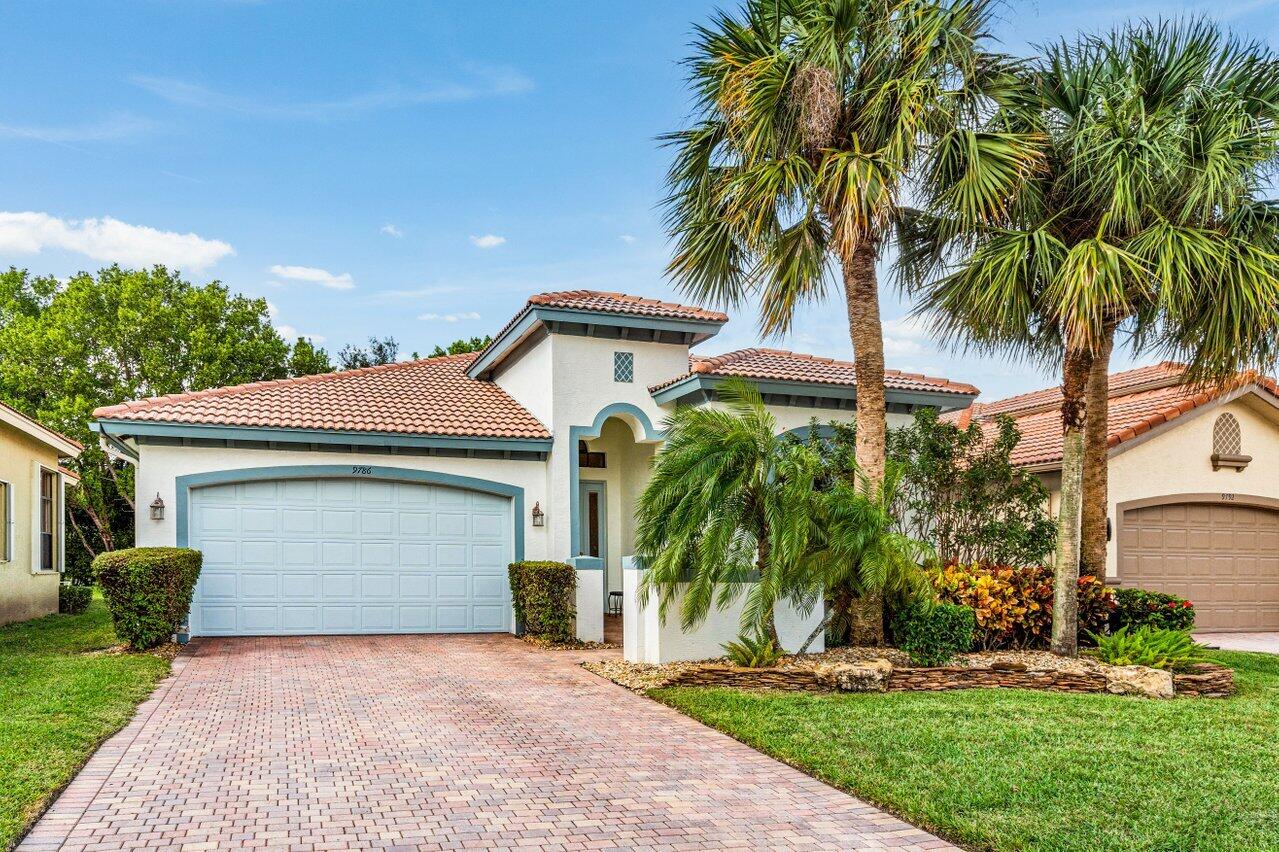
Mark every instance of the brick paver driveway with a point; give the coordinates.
(435, 742)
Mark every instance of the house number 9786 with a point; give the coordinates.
(361, 470)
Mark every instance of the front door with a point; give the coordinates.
(593, 524)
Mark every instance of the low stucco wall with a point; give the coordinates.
(647, 639)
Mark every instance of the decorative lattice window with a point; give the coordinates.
(1227, 444)
(623, 366)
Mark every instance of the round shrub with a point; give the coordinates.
(74, 600)
(1142, 608)
(544, 595)
(148, 591)
(933, 635)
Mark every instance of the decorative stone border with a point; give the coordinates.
(1207, 680)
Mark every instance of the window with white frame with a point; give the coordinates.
(6, 529)
(50, 521)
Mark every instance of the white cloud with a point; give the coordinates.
(113, 127)
(391, 231)
(627, 238)
(907, 336)
(487, 241)
(481, 83)
(290, 334)
(108, 240)
(314, 275)
(468, 315)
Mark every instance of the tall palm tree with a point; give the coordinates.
(729, 498)
(810, 116)
(1141, 212)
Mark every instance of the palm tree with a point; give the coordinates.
(1140, 213)
(729, 498)
(810, 116)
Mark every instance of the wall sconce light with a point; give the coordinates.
(157, 508)
(539, 517)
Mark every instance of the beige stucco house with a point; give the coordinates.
(1193, 492)
(32, 487)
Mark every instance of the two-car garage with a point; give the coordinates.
(352, 554)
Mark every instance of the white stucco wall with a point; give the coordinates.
(528, 379)
(1176, 460)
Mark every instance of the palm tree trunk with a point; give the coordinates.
(1095, 479)
(1074, 404)
(861, 291)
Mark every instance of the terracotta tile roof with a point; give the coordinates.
(433, 396)
(1140, 400)
(622, 303)
(780, 365)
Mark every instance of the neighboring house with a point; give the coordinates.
(1193, 490)
(390, 499)
(32, 513)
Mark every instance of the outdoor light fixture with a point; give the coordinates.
(539, 517)
(157, 508)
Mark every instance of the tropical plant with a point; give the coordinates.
(1140, 608)
(732, 508)
(932, 634)
(962, 493)
(1132, 202)
(753, 651)
(1148, 646)
(810, 116)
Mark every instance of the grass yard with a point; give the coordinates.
(1013, 769)
(57, 703)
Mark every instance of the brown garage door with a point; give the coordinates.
(1222, 556)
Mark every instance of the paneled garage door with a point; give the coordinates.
(349, 556)
(1222, 556)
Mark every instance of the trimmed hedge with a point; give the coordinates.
(1142, 608)
(148, 591)
(933, 635)
(74, 600)
(545, 598)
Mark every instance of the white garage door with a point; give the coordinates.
(349, 556)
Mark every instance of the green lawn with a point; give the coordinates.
(1013, 769)
(57, 704)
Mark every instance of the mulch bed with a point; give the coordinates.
(542, 643)
(999, 669)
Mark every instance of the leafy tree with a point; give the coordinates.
(729, 498)
(962, 493)
(810, 116)
(307, 359)
(121, 334)
(457, 347)
(379, 352)
(1141, 210)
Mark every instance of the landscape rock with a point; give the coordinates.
(871, 676)
(1139, 680)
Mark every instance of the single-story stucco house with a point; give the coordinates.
(32, 509)
(392, 498)
(1193, 486)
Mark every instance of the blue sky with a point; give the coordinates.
(411, 169)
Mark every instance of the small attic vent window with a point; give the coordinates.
(623, 366)
(1227, 444)
(586, 458)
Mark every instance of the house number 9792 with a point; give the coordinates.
(361, 470)
(1226, 495)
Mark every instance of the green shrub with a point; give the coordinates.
(74, 600)
(544, 595)
(1014, 605)
(1140, 608)
(753, 652)
(148, 591)
(933, 635)
(1147, 646)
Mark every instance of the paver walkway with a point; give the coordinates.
(434, 742)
